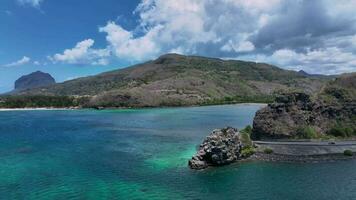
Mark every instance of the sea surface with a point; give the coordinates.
(143, 154)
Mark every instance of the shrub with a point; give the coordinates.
(247, 129)
(245, 139)
(247, 151)
(307, 132)
(268, 151)
(348, 153)
(340, 131)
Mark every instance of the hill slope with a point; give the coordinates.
(175, 80)
(332, 111)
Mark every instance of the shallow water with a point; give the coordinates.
(142, 154)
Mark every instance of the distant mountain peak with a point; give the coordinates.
(303, 72)
(34, 80)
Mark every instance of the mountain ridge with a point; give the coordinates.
(175, 80)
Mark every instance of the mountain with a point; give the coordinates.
(34, 80)
(331, 112)
(175, 80)
(304, 73)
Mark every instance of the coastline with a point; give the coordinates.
(35, 109)
(122, 108)
(258, 156)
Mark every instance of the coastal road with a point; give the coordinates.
(302, 148)
(307, 143)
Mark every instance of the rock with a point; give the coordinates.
(221, 147)
(34, 80)
(293, 112)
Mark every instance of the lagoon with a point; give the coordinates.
(143, 154)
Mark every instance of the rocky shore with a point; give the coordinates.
(229, 145)
(221, 147)
(260, 156)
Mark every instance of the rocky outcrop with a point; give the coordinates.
(299, 115)
(282, 118)
(34, 80)
(221, 147)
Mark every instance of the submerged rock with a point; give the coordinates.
(221, 147)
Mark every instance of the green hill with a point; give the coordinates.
(175, 80)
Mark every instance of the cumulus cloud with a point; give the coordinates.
(291, 33)
(124, 45)
(83, 53)
(34, 3)
(316, 36)
(24, 60)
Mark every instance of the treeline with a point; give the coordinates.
(241, 99)
(40, 101)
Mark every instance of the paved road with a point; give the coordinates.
(306, 147)
(306, 143)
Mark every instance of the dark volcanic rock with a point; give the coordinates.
(221, 147)
(34, 80)
(292, 113)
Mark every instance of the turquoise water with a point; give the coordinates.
(142, 154)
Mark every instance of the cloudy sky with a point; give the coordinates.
(70, 38)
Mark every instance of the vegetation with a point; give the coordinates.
(348, 153)
(245, 136)
(240, 99)
(247, 129)
(268, 151)
(38, 101)
(307, 132)
(342, 131)
(247, 151)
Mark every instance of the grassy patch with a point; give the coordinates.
(268, 151)
(247, 151)
(348, 153)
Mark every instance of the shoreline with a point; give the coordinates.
(122, 108)
(298, 158)
(35, 109)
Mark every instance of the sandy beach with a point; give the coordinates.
(33, 109)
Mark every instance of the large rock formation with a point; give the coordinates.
(221, 147)
(34, 80)
(299, 115)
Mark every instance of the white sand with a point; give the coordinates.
(32, 109)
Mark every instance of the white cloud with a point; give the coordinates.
(243, 46)
(34, 3)
(22, 61)
(83, 53)
(318, 36)
(331, 60)
(124, 45)
(187, 26)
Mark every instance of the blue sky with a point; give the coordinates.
(38, 31)
(77, 38)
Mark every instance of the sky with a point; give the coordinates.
(71, 39)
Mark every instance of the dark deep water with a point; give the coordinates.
(142, 154)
